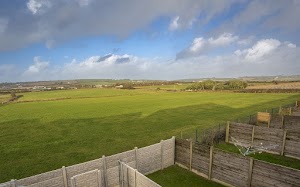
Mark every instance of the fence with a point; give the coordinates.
(214, 134)
(146, 160)
(131, 177)
(287, 141)
(232, 169)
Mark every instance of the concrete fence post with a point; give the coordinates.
(136, 158)
(64, 172)
(104, 171)
(191, 154)
(174, 150)
(13, 182)
(135, 183)
(210, 161)
(121, 174)
(99, 178)
(283, 142)
(162, 154)
(73, 184)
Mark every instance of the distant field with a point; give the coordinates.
(166, 87)
(4, 97)
(286, 85)
(40, 136)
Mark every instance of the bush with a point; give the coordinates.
(236, 84)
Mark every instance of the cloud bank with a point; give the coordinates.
(264, 57)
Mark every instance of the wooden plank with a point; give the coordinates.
(253, 131)
(250, 171)
(210, 162)
(283, 143)
(227, 132)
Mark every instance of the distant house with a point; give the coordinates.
(99, 86)
(39, 88)
(120, 86)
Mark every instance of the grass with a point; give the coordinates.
(176, 176)
(40, 136)
(272, 158)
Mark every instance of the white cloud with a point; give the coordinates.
(223, 40)
(3, 24)
(38, 6)
(290, 45)
(260, 49)
(201, 45)
(174, 25)
(198, 45)
(37, 67)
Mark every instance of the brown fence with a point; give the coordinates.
(287, 141)
(146, 160)
(231, 168)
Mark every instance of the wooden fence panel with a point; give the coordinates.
(200, 158)
(268, 136)
(292, 144)
(291, 122)
(266, 174)
(182, 155)
(240, 131)
(230, 168)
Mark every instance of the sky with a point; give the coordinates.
(142, 39)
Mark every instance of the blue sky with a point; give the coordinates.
(171, 39)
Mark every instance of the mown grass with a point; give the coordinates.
(40, 136)
(176, 176)
(79, 93)
(272, 158)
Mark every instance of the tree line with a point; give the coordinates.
(217, 85)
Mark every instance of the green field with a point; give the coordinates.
(45, 135)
